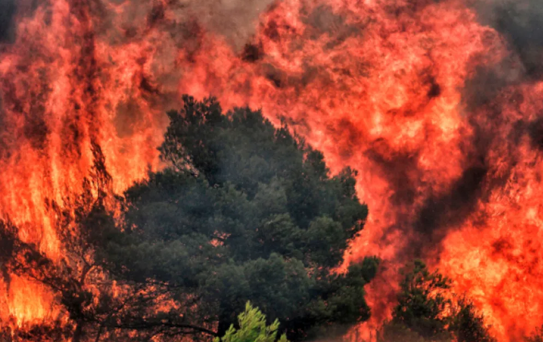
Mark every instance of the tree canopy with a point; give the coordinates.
(244, 212)
(252, 328)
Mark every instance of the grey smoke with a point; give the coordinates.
(7, 13)
(521, 23)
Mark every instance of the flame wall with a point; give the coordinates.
(436, 104)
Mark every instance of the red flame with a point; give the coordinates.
(60, 91)
(378, 85)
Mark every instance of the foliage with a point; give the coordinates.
(421, 302)
(467, 325)
(424, 314)
(245, 212)
(252, 328)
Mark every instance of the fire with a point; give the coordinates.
(495, 255)
(383, 86)
(58, 100)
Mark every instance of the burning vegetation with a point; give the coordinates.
(357, 137)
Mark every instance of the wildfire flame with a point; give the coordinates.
(393, 88)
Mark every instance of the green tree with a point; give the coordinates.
(252, 328)
(424, 313)
(468, 325)
(245, 212)
(421, 301)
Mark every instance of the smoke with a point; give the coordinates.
(449, 209)
(7, 13)
(236, 20)
(520, 23)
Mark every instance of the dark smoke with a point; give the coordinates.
(452, 208)
(519, 22)
(7, 13)
(535, 131)
(488, 81)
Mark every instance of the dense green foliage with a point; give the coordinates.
(252, 328)
(246, 212)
